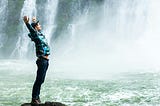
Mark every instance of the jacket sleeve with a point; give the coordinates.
(30, 28)
(33, 32)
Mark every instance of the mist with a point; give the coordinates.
(88, 38)
(116, 37)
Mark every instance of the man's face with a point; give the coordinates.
(38, 27)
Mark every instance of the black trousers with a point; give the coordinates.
(42, 65)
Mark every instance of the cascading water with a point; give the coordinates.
(111, 45)
(22, 45)
(104, 37)
(50, 13)
(108, 32)
(3, 14)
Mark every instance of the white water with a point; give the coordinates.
(120, 36)
(3, 14)
(123, 36)
(50, 13)
(22, 46)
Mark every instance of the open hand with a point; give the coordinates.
(26, 19)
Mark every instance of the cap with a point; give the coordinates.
(34, 24)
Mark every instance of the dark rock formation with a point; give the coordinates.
(44, 104)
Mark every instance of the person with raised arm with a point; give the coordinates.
(42, 53)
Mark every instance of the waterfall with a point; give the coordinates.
(108, 36)
(3, 16)
(50, 11)
(22, 46)
(103, 31)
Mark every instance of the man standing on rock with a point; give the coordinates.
(42, 53)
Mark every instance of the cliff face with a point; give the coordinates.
(45, 104)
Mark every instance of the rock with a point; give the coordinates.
(44, 104)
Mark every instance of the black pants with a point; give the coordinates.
(42, 65)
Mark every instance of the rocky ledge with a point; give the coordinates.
(44, 104)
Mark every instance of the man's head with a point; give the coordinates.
(36, 26)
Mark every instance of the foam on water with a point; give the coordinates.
(124, 90)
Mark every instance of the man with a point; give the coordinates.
(42, 53)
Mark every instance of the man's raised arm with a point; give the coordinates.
(26, 21)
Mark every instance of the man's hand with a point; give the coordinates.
(33, 19)
(26, 19)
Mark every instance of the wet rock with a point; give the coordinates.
(44, 104)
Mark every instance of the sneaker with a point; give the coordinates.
(35, 101)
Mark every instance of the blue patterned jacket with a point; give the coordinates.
(42, 48)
